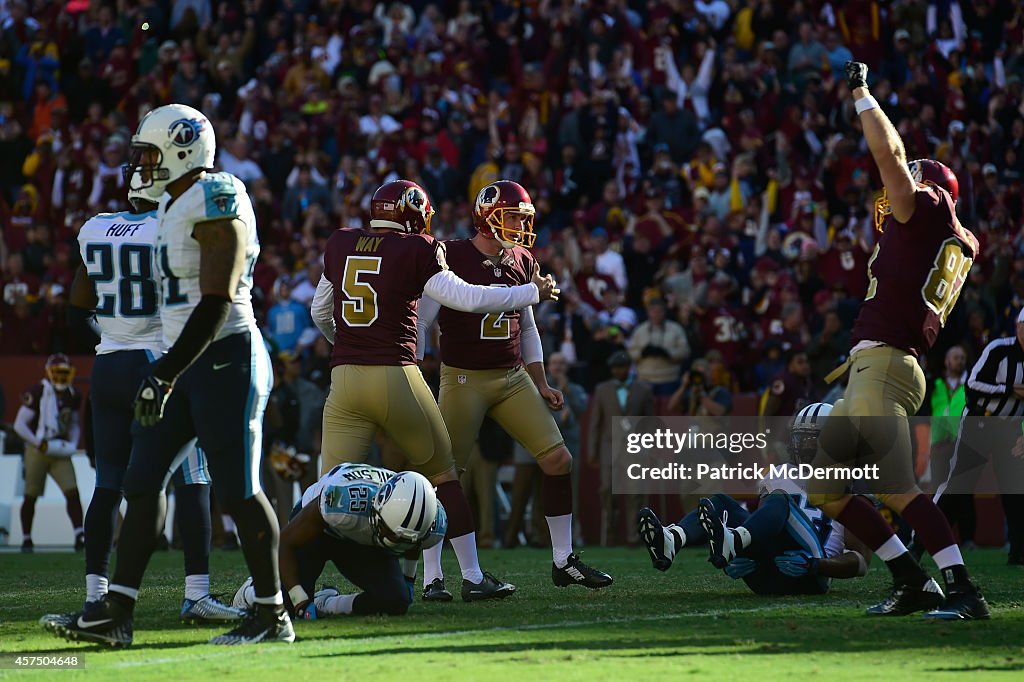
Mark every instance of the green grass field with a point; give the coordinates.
(690, 621)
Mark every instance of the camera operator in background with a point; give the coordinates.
(702, 394)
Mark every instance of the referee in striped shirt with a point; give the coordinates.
(989, 428)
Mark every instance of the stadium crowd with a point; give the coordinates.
(702, 187)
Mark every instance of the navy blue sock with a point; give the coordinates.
(691, 525)
(765, 524)
(100, 520)
(192, 509)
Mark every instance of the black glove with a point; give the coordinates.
(150, 400)
(856, 75)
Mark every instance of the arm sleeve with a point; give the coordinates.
(322, 308)
(449, 290)
(529, 338)
(21, 426)
(429, 308)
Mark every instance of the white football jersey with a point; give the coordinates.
(345, 494)
(213, 196)
(118, 252)
(831, 532)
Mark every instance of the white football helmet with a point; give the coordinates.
(804, 432)
(403, 511)
(182, 139)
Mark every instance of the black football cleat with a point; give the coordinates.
(436, 591)
(966, 604)
(27, 547)
(906, 599)
(102, 622)
(575, 572)
(658, 541)
(264, 623)
(721, 539)
(488, 588)
(80, 542)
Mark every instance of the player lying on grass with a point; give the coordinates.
(361, 518)
(786, 546)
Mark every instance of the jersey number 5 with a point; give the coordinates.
(360, 310)
(946, 278)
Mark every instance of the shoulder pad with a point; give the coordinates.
(220, 195)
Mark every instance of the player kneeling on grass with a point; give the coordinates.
(362, 518)
(786, 546)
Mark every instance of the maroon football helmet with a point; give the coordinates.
(401, 205)
(924, 172)
(496, 200)
(60, 371)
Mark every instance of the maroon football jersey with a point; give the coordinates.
(915, 275)
(722, 330)
(378, 279)
(476, 340)
(591, 288)
(68, 402)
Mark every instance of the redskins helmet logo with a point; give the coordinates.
(917, 172)
(185, 131)
(488, 196)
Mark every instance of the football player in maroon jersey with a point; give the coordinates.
(915, 275)
(493, 365)
(366, 305)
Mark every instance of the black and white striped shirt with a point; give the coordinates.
(990, 384)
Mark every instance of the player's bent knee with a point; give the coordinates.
(557, 462)
(898, 501)
(445, 477)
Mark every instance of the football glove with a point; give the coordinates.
(150, 400)
(739, 567)
(856, 75)
(796, 563)
(306, 611)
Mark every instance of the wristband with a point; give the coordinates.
(865, 103)
(298, 595)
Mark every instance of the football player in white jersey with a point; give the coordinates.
(213, 381)
(361, 518)
(786, 546)
(117, 283)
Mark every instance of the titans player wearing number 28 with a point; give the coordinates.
(212, 383)
(366, 304)
(494, 365)
(916, 272)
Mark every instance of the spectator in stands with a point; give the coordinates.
(658, 346)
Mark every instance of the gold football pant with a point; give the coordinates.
(394, 398)
(508, 396)
(869, 425)
(37, 465)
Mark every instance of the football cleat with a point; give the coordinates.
(436, 591)
(966, 604)
(240, 600)
(103, 622)
(27, 547)
(262, 624)
(209, 610)
(322, 595)
(661, 544)
(906, 599)
(488, 588)
(575, 572)
(721, 539)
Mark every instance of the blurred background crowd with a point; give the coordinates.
(704, 193)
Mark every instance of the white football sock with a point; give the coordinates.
(129, 592)
(560, 528)
(249, 596)
(409, 567)
(197, 586)
(340, 605)
(743, 535)
(95, 586)
(469, 562)
(949, 556)
(229, 523)
(276, 600)
(891, 548)
(432, 564)
(675, 533)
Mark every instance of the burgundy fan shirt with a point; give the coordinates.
(915, 275)
(478, 340)
(378, 279)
